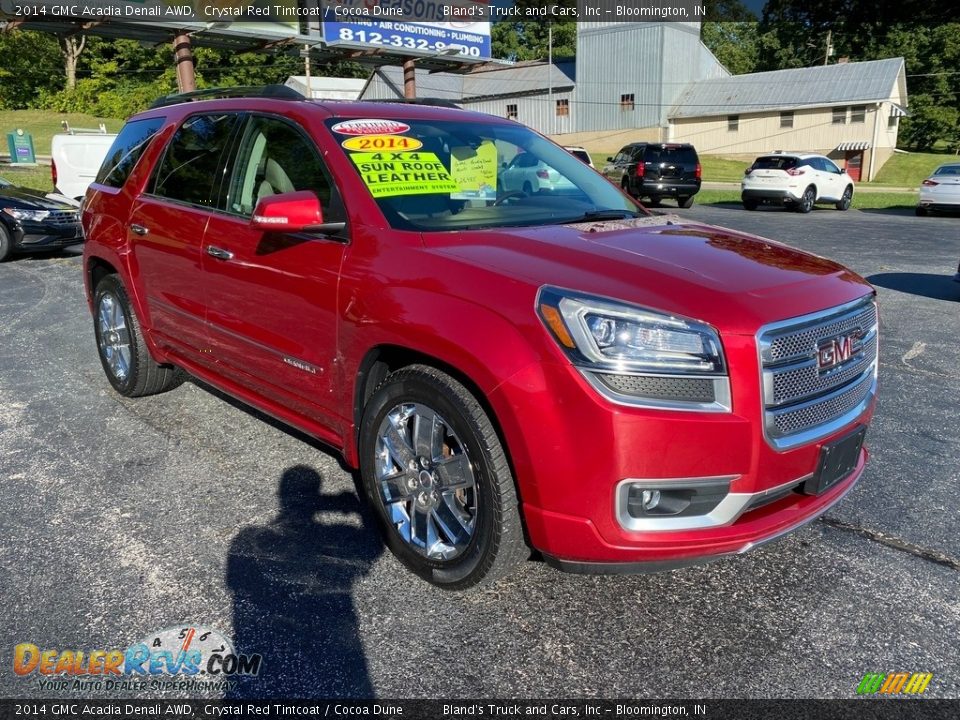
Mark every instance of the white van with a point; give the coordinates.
(76, 157)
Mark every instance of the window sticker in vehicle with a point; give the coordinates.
(362, 143)
(474, 170)
(370, 126)
(388, 174)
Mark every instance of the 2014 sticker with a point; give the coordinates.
(371, 126)
(367, 143)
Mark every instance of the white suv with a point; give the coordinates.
(797, 180)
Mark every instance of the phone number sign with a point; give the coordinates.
(417, 27)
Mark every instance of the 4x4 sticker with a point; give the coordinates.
(403, 173)
(381, 142)
(369, 126)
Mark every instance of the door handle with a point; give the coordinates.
(140, 229)
(219, 253)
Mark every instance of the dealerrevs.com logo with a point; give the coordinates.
(894, 683)
(183, 657)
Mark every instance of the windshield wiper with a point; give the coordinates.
(597, 215)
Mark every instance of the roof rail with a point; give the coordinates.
(277, 92)
(434, 102)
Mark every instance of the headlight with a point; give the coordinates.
(637, 356)
(33, 215)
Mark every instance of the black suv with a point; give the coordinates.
(656, 171)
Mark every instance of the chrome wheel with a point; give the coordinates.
(807, 201)
(113, 336)
(426, 481)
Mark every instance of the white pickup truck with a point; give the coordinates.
(77, 154)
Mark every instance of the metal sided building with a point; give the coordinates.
(848, 111)
(626, 75)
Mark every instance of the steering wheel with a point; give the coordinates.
(511, 194)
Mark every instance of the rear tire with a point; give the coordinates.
(750, 204)
(685, 202)
(123, 352)
(807, 200)
(6, 244)
(443, 491)
(846, 198)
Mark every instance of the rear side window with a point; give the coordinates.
(672, 155)
(192, 165)
(774, 162)
(126, 150)
(581, 155)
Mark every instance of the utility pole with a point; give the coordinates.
(829, 50)
(306, 70)
(409, 78)
(183, 58)
(550, 107)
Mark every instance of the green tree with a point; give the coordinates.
(28, 67)
(529, 39)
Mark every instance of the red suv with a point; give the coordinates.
(550, 368)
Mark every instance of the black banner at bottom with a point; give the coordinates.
(912, 709)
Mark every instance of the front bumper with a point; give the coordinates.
(572, 460)
(41, 237)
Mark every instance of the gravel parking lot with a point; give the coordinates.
(120, 517)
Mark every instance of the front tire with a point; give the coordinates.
(436, 472)
(750, 204)
(6, 244)
(846, 199)
(122, 349)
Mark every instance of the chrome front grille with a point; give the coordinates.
(803, 400)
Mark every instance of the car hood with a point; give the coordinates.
(734, 281)
(18, 197)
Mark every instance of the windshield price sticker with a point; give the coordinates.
(388, 174)
(381, 142)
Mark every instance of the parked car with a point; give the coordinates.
(526, 173)
(30, 221)
(579, 153)
(657, 170)
(75, 158)
(941, 191)
(621, 391)
(796, 180)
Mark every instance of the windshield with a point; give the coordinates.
(441, 175)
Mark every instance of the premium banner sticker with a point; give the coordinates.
(388, 174)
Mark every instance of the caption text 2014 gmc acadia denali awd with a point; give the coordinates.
(509, 365)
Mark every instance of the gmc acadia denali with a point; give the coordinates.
(507, 369)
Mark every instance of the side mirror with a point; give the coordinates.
(843, 171)
(503, 166)
(292, 212)
(609, 159)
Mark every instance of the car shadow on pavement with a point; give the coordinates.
(292, 582)
(899, 210)
(937, 287)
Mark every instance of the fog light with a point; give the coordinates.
(677, 498)
(650, 499)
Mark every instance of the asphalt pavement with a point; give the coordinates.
(119, 518)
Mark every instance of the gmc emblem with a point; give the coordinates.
(837, 350)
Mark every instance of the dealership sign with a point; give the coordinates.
(417, 27)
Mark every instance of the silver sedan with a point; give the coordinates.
(941, 191)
